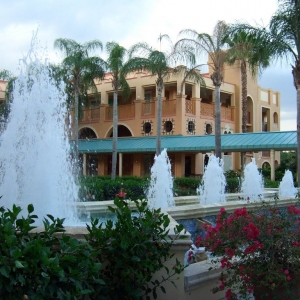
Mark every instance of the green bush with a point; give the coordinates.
(232, 185)
(117, 261)
(233, 181)
(133, 249)
(103, 188)
(43, 266)
(268, 183)
(186, 186)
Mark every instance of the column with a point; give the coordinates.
(120, 164)
(272, 154)
(84, 165)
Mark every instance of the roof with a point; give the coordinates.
(257, 141)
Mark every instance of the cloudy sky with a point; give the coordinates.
(131, 21)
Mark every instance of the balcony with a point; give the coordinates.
(90, 115)
(208, 110)
(125, 112)
(169, 108)
(190, 107)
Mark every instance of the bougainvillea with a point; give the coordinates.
(256, 250)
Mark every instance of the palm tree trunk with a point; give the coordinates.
(76, 117)
(244, 106)
(115, 136)
(217, 121)
(159, 85)
(298, 135)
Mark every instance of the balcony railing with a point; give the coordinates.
(148, 109)
(169, 107)
(124, 112)
(190, 107)
(226, 113)
(91, 114)
(207, 110)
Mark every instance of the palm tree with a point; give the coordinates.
(212, 45)
(160, 64)
(282, 38)
(285, 43)
(115, 64)
(80, 71)
(251, 54)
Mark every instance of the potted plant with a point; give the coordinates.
(258, 251)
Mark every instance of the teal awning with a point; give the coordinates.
(257, 141)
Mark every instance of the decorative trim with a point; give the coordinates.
(208, 123)
(164, 124)
(193, 132)
(143, 129)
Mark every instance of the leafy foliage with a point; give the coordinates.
(133, 249)
(256, 250)
(43, 266)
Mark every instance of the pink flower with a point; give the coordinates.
(228, 294)
(288, 278)
(286, 272)
(222, 210)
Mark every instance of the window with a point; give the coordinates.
(147, 127)
(168, 126)
(191, 127)
(208, 129)
(148, 96)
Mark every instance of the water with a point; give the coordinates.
(286, 186)
(212, 186)
(160, 192)
(35, 164)
(252, 183)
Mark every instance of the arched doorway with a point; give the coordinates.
(123, 131)
(127, 158)
(86, 134)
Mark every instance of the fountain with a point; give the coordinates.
(160, 191)
(212, 186)
(35, 152)
(286, 186)
(252, 182)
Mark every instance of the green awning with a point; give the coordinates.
(257, 141)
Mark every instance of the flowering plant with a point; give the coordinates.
(258, 251)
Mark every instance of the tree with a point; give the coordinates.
(115, 64)
(160, 64)
(5, 75)
(282, 38)
(251, 54)
(212, 45)
(81, 70)
(5, 106)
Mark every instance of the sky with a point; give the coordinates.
(128, 22)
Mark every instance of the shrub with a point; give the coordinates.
(186, 186)
(43, 266)
(133, 249)
(232, 181)
(103, 188)
(117, 261)
(258, 251)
